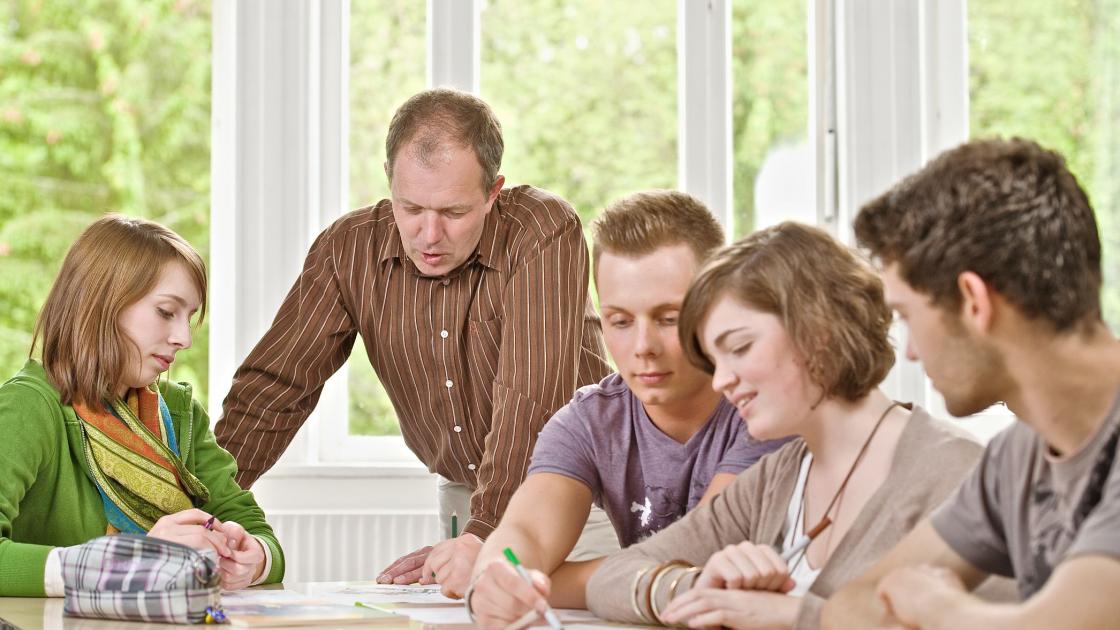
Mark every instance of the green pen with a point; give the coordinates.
(454, 525)
(549, 614)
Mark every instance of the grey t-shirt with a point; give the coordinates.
(642, 478)
(1023, 511)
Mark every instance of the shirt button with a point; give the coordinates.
(449, 384)
(443, 333)
(458, 429)
(445, 281)
(470, 466)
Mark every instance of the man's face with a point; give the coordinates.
(640, 301)
(440, 207)
(964, 368)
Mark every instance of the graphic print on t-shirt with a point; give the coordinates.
(1056, 528)
(1048, 540)
(645, 510)
(660, 507)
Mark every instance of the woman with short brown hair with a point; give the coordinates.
(794, 329)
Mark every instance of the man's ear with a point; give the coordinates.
(976, 302)
(492, 194)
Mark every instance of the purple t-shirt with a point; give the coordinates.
(643, 479)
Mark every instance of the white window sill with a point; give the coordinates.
(347, 488)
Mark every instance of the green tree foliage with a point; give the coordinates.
(104, 106)
(587, 95)
(770, 91)
(1050, 71)
(388, 53)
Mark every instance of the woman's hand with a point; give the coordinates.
(246, 560)
(746, 566)
(189, 528)
(716, 607)
(501, 596)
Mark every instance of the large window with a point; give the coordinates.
(587, 95)
(773, 173)
(382, 76)
(104, 107)
(1050, 70)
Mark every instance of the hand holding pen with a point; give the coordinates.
(193, 528)
(548, 614)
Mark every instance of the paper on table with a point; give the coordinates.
(456, 619)
(257, 596)
(358, 588)
(369, 593)
(304, 613)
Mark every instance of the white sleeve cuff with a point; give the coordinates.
(53, 585)
(267, 562)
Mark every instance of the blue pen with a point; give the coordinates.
(549, 614)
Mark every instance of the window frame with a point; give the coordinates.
(888, 89)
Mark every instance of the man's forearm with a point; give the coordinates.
(964, 610)
(856, 606)
(516, 538)
(569, 583)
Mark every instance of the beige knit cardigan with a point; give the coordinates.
(930, 460)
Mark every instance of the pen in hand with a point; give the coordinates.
(804, 541)
(549, 614)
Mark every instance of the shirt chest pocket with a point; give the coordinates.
(482, 345)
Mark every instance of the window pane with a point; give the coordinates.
(1049, 70)
(587, 94)
(769, 74)
(104, 106)
(388, 54)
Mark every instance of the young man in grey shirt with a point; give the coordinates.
(647, 443)
(991, 255)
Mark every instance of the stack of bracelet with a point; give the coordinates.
(657, 575)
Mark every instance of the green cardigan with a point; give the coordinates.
(48, 498)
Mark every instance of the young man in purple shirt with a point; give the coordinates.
(647, 443)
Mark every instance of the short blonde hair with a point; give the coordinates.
(642, 222)
(830, 302)
(115, 262)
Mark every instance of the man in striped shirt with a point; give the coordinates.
(472, 304)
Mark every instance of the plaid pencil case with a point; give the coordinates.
(139, 578)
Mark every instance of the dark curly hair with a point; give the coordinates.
(1009, 211)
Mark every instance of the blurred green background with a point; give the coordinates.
(105, 106)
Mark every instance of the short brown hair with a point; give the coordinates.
(829, 301)
(115, 262)
(1007, 210)
(642, 222)
(434, 117)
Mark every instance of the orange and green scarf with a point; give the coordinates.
(134, 459)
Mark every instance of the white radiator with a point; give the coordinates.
(328, 546)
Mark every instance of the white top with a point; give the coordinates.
(803, 575)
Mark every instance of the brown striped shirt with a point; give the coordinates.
(474, 362)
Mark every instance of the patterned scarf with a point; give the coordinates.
(134, 460)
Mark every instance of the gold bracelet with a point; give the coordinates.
(634, 594)
(661, 571)
(677, 580)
